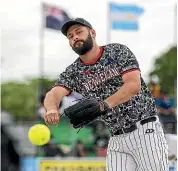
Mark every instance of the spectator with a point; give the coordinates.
(53, 150)
(79, 150)
(41, 110)
(10, 158)
(154, 87)
(167, 111)
(101, 143)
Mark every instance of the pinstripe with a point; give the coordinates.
(119, 139)
(142, 147)
(111, 145)
(129, 148)
(155, 147)
(107, 158)
(166, 149)
(116, 162)
(109, 152)
(127, 145)
(123, 145)
(135, 156)
(147, 147)
(132, 154)
(138, 149)
(161, 166)
(117, 142)
(114, 144)
(126, 162)
(111, 161)
(122, 149)
(136, 169)
(163, 150)
(164, 157)
(121, 161)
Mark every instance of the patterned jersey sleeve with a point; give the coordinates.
(126, 60)
(66, 80)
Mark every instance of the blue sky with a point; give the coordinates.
(21, 21)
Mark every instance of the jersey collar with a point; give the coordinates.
(97, 58)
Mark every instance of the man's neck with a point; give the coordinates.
(91, 55)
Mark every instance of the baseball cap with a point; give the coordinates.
(73, 21)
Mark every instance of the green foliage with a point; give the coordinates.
(21, 98)
(165, 67)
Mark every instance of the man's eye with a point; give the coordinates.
(70, 37)
(78, 32)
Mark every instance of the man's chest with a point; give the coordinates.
(94, 77)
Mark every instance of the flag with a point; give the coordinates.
(124, 16)
(55, 17)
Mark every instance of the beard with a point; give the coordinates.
(85, 47)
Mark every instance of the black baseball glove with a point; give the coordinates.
(85, 111)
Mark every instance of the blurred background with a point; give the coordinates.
(34, 53)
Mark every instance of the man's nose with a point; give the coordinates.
(75, 38)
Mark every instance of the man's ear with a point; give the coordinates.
(93, 33)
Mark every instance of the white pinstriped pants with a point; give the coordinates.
(139, 150)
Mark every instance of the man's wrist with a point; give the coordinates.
(104, 106)
(108, 103)
(49, 109)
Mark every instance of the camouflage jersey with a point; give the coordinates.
(103, 77)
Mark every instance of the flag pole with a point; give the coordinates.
(108, 36)
(41, 53)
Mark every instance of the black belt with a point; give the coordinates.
(134, 127)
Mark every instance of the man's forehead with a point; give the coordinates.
(74, 27)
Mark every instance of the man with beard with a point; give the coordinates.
(110, 75)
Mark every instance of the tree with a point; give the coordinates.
(21, 98)
(165, 67)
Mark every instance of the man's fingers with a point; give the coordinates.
(52, 118)
(57, 118)
(49, 120)
(46, 121)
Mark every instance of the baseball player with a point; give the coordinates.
(109, 79)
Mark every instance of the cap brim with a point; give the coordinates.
(68, 24)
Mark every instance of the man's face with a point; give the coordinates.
(80, 39)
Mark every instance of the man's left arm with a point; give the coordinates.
(130, 88)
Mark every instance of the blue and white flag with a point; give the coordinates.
(124, 16)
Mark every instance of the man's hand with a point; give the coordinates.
(51, 104)
(52, 117)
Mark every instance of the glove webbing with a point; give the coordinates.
(81, 125)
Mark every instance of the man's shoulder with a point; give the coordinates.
(73, 65)
(114, 46)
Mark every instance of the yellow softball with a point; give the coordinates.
(39, 134)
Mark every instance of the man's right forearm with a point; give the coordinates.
(51, 101)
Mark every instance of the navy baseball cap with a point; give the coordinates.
(73, 21)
